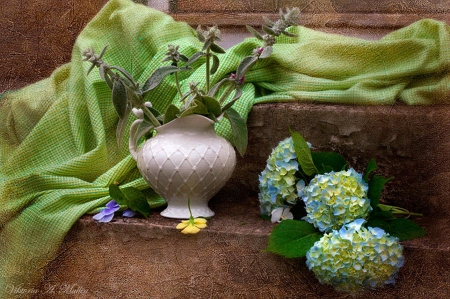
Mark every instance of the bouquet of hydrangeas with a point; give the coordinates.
(350, 240)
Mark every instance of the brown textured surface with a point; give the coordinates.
(38, 36)
(138, 258)
(409, 143)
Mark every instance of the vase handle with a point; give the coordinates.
(132, 142)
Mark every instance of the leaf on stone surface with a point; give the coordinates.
(239, 129)
(133, 198)
(119, 97)
(328, 161)
(293, 238)
(402, 228)
(405, 229)
(303, 154)
(371, 166)
(376, 185)
(157, 77)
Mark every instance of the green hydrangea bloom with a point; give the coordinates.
(278, 182)
(336, 198)
(356, 257)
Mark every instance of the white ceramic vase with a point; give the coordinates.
(185, 160)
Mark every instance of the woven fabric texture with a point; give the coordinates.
(58, 152)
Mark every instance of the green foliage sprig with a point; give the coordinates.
(214, 102)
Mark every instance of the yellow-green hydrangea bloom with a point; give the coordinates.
(356, 257)
(336, 198)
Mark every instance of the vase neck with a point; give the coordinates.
(188, 123)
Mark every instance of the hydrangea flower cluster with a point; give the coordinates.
(355, 257)
(336, 198)
(277, 182)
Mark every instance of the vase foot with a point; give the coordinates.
(183, 212)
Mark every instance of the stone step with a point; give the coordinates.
(149, 258)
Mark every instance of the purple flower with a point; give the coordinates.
(107, 214)
(128, 213)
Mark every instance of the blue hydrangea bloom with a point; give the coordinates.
(336, 198)
(355, 257)
(278, 184)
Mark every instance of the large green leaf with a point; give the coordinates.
(119, 97)
(157, 77)
(293, 238)
(215, 64)
(140, 130)
(376, 185)
(131, 197)
(171, 113)
(245, 65)
(371, 166)
(303, 153)
(212, 105)
(239, 128)
(405, 229)
(196, 107)
(328, 161)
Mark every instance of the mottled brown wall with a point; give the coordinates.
(38, 36)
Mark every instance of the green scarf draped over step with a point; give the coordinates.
(58, 152)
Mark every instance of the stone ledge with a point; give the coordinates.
(409, 143)
(149, 258)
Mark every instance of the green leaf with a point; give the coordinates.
(237, 95)
(216, 86)
(328, 161)
(376, 185)
(269, 30)
(371, 166)
(171, 113)
(293, 238)
(119, 97)
(266, 52)
(216, 48)
(212, 105)
(121, 126)
(245, 65)
(137, 132)
(196, 107)
(303, 154)
(124, 72)
(157, 77)
(215, 64)
(131, 197)
(254, 32)
(195, 57)
(405, 229)
(239, 128)
(268, 21)
(287, 33)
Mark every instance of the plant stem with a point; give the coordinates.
(208, 54)
(225, 94)
(150, 115)
(178, 85)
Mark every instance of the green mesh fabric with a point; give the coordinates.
(58, 152)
